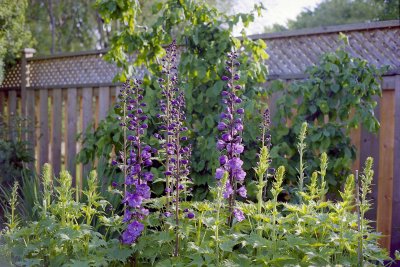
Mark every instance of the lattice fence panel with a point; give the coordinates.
(293, 55)
(12, 78)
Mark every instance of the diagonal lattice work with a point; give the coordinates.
(291, 53)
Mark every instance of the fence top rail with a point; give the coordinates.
(329, 29)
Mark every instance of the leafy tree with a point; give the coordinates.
(63, 26)
(336, 12)
(76, 25)
(13, 32)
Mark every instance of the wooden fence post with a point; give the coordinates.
(28, 100)
(26, 53)
(395, 238)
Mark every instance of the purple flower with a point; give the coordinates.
(143, 190)
(236, 148)
(221, 126)
(239, 174)
(134, 200)
(220, 144)
(148, 176)
(224, 78)
(219, 173)
(238, 215)
(114, 184)
(226, 137)
(235, 164)
(132, 232)
(228, 190)
(223, 160)
(239, 127)
(127, 216)
(167, 214)
(190, 215)
(242, 192)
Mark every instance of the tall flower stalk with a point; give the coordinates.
(265, 142)
(135, 159)
(230, 142)
(262, 167)
(301, 146)
(177, 153)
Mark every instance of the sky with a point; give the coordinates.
(278, 11)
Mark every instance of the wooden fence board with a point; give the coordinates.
(31, 116)
(44, 128)
(369, 147)
(87, 118)
(12, 111)
(56, 130)
(104, 102)
(2, 104)
(71, 129)
(355, 136)
(385, 180)
(395, 240)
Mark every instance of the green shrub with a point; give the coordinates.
(16, 153)
(314, 232)
(339, 95)
(72, 229)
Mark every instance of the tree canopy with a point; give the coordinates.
(14, 34)
(336, 12)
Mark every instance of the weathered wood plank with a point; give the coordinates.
(71, 125)
(12, 111)
(370, 148)
(56, 130)
(355, 136)
(395, 240)
(31, 116)
(2, 104)
(44, 128)
(385, 178)
(87, 117)
(12, 103)
(104, 102)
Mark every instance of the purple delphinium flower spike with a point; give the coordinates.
(231, 128)
(172, 106)
(136, 159)
(177, 152)
(266, 136)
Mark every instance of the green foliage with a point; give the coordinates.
(316, 232)
(15, 152)
(207, 36)
(14, 35)
(337, 97)
(68, 232)
(65, 26)
(76, 25)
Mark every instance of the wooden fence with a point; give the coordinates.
(63, 94)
